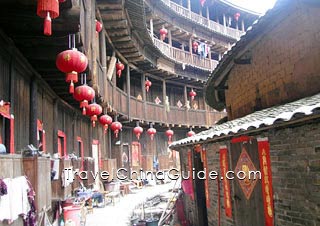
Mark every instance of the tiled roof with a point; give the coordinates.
(267, 117)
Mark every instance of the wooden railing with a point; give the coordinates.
(148, 111)
(183, 56)
(212, 25)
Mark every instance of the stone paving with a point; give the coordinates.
(120, 213)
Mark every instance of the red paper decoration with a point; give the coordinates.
(236, 16)
(195, 46)
(169, 134)
(94, 110)
(192, 94)
(148, 84)
(191, 133)
(116, 127)
(84, 94)
(152, 131)
(119, 68)
(47, 9)
(163, 33)
(137, 131)
(71, 62)
(105, 120)
(98, 26)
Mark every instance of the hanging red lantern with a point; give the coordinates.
(47, 9)
(71, 62)
(163, 33)
(98, 26)
(195, 46)
(169, 134)
(119, 68)
(151, 131)
(116, 127)
(191, 133)
(202, 2)
(84, 94)
(192, 94)
(105, 120)
(236, 16)
(137, 131)
(147, 84)
(94, 110)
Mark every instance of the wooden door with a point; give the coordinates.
(247, 193)
(200, 192)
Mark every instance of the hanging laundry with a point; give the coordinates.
(31, 218)
(203, 50)
(5, 209)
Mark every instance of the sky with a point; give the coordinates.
(256, 5)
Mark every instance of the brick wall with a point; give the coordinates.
(295, 163)
(285, 64)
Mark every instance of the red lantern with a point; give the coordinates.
(98, 26)
(71, 62)
(192, 94)
(119, 68)
(163, 33)
(94, 110)
(152, 131)
(137, 131)
(169, 134)
(148, 84)
(84, 94)
(202, 2)
(195, 46)
(236, 16)
(47, 9)
(191, 133)
(116, 127)
(105, 120)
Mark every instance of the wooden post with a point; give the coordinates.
(185, 92)
(103, 52)
(208, 15)
(182, 46)
(128, 90)
(144, 94)
(189, 4)
(224, 20)
(190, 49)
(242, 25)
(210, 58)
(169, 37)
(164, 94)
(33, 113)
(151, 27)
(55, 125)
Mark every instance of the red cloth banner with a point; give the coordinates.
(226, 184)
(190, 172)
(266, 180)
(12, 151)
(206, 182)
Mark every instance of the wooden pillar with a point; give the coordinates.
(55, 126)
(33, 113)
(242, 25)
(220, 56)
(224, 20)
(208, 15)
(169, 37)
(151, 27)
(190, 49)
(210, 58)
(128, 90)
(189, 4)
(182, 46)
(103, 52)
(164, 94)
(144, 94)
(185, 93)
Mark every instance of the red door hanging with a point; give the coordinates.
(264, 157)
(226, 184)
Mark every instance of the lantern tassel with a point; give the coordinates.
(84, 111)
(47, 30)
(151, 136)
(71, 87)
(147, 88)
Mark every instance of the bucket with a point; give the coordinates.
(72, 215)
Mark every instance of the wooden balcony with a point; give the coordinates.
(138, 109)
(184, 57)
(212, 25)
